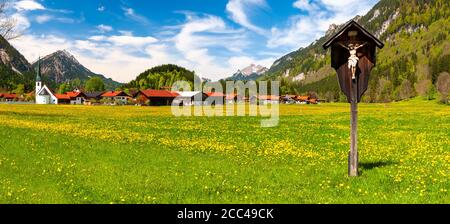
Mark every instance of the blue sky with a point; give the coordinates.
(122, 38)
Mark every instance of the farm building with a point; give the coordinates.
(94, 96)
(302, 99)
(8, 97)
(62, 99)
(116, 97)
(155, 97)
(190, 98)
(76, 97)
(288, 99)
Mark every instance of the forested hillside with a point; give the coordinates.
(162, 76)
(14, 68)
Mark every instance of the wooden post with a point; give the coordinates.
(353, 155)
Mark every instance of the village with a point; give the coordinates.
(149, 97)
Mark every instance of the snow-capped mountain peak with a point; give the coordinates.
(251, 72)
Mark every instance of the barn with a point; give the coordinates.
(8, 97)
(155, 97)
(62, 99)
(191, 98)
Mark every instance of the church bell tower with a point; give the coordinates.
(38, 77)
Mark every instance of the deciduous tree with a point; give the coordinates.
(8, 25)
(95, 84)
(443, 86)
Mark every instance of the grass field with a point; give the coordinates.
(82, 154)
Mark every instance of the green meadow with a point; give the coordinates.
(83, 154)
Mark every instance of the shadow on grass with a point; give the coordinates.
(366, 166)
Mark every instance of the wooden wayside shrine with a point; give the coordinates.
(353, 55)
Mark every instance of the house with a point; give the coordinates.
(215, 98)
(302, 99)
(155, 97)
(8, 97)
(268, 99)
(116, 97)
(191, 98)
(93, 97)
(77, 97)
(288, 99)
(313, 101)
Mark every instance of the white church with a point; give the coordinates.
(43, 94)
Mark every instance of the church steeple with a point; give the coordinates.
(38, 77)
(38, 71)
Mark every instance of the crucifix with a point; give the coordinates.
(353, 59)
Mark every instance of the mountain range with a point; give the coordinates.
(57, 68)
(14, 68)
(62, 67)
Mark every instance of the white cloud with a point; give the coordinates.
(126, 32)
(101, 8)
(118, 62)
(131, 13)
(68, 20)
(34, 46)
(102, 28)
(198, 35)
(238, 12)
(159, 54)
(43, 18)
(305, 5)
(119, 57)
(125, 40)
(22, 22)
(28, 5)
(301, 30)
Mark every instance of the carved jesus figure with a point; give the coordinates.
(353, 59)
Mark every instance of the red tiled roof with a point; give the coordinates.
(73, 94)
(62, 97)
(304, 98)
(216, 94)
(9, 96)
(159, 93)
(113, 93)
